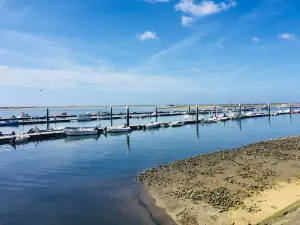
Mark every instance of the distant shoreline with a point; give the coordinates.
(166, 106)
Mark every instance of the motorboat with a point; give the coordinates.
(176, 124)
(9, 123)
(153, 125)
(250, 114)
(118, 129)
(188, 118)
(154, 114)
(24, 116)
(81, 131)
(63, 114)
(143, 116)
(21, 138)
(211, 120)
(84, 117)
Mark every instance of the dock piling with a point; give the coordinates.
(240, 109)
(47, 117)
(156, 113)
(197, 114)
(290, 108)
(215, 110)
(111, 116)
(127, 116)
(269, 109)
(189, 110)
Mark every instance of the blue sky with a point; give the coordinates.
(96, 52)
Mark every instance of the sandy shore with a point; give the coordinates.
(238, 186)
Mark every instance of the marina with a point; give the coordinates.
(90, 174)
(107, 163)
(186, 117)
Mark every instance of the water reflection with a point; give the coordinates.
(197, 131)
(81, 138)
(128, 144)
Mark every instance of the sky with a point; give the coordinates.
(106, 52)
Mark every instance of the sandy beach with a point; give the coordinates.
(246, 185)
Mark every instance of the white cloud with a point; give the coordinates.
(177, 46)
(255, 39)
(186, 20)
(37, 62)
(287, 36)
(156, 1)
(204, 8)
(147, 35)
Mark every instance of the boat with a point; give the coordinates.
(81, 131)
(21, 138)
(118, 129)
(153, 125)
(176, 124)
(250, 114)
(24, 116)
(9, 123)
(84, 117)
(188, 118)
(143, 116)
(211, 120)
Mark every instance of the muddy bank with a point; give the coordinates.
(241, 186)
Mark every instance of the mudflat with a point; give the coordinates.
(239, 186)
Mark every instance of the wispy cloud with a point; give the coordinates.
(38, 62)
(204, 8)
(186, 21)
(186, 42)
(157, 1)
(147, 35)
(287, 36)
(255, 39)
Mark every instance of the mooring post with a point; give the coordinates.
(269, 109)
(189, 110)
(47, 117)
(215, 111)
(240, 108)
(111, 116)
(197, 114)
(290, 108)
(127, 116)
(156, 113)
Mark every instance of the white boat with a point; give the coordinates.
(176, 124)
(188, 118)
(84, 117)
(143, 116)
(21, 138)
(153, 125)
(250, 114)
(81, 131)
(211, 120)
(118, 129)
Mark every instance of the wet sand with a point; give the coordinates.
(238, 186)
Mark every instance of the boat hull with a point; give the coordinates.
(81, 132)
(118, 130)
(12, 123)
(154, 125)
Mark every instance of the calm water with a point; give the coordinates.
(92, 181)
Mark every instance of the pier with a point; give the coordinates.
(57, 134)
